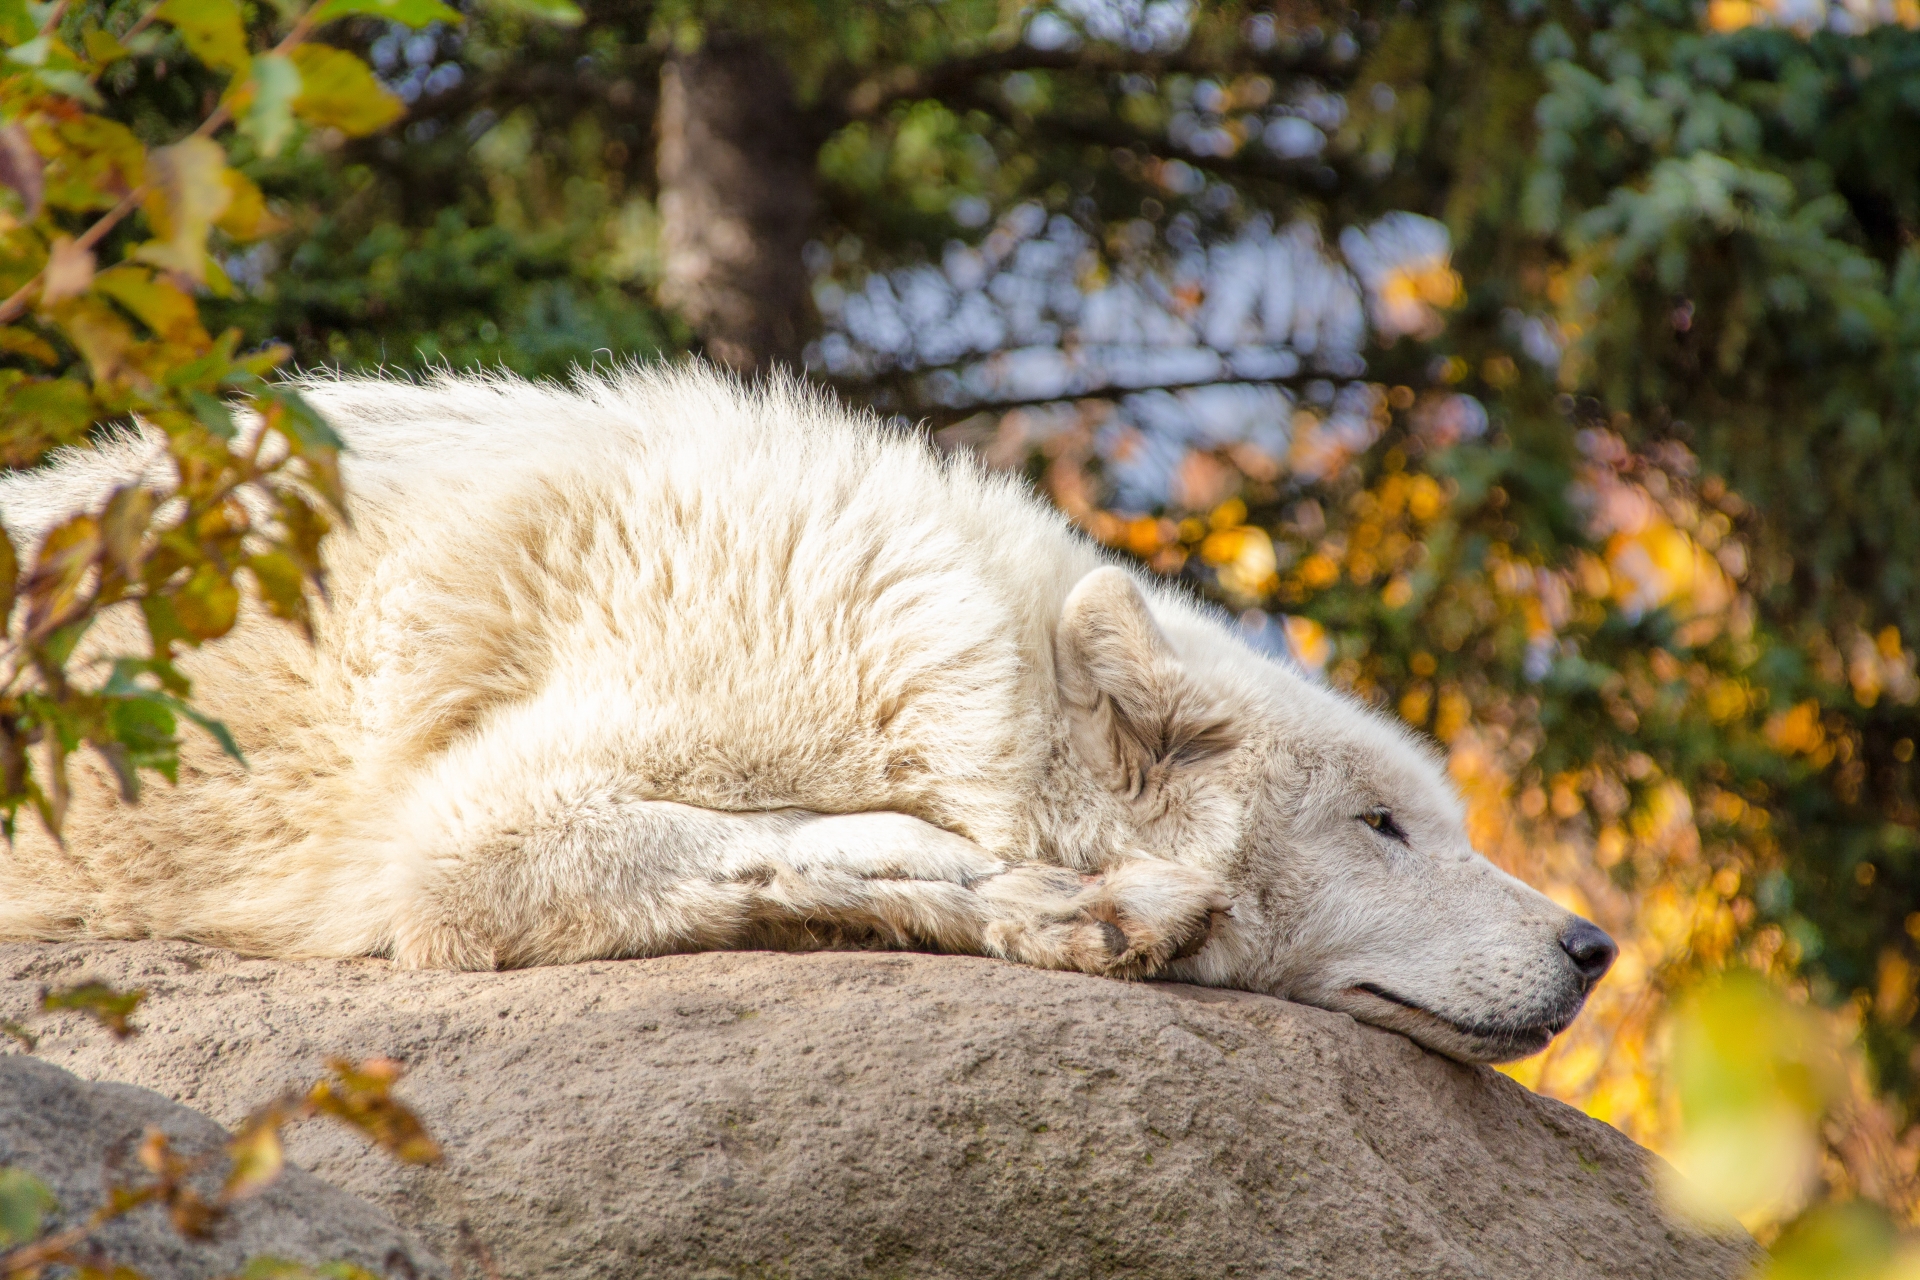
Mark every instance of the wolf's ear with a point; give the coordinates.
(1132, 705)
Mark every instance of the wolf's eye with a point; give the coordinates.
(1380, 819)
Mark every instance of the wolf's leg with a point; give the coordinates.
(623, 877)
(1128, 920)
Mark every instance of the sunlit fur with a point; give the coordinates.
(658, 663)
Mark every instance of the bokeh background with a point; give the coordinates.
(1543, 372)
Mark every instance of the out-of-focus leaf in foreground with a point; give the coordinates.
(112, 1009)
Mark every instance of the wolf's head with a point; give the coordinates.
(1354, 884)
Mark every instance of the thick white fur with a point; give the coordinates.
(659, 663)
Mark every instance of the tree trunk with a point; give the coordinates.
(736, 170)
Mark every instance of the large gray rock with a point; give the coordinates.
(73, 1136)
(885, 1115)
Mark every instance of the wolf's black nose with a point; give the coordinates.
(1591, 950)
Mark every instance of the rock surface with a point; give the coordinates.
(886, 1115)
(71, 1134)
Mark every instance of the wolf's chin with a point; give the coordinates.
(1465, 1041)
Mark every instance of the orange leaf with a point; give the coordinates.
(360, 1097)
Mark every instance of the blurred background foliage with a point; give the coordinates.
(1545, 372)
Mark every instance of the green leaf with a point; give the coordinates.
(213, 413)
(269, 116)
(164, 627)
(338, 90)
(214, 30)
(281, 584)
(126, 670)
(302, 424)
(562, 12)
(120, 763)
(412, 13)
(246, 216)
(215, 729)
(250, 370)
(16, 24)
(99, 333)
(314, 442)
(145, 726)
(123, 684)
(59, 646)
(25, 1203)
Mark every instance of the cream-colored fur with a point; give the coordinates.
(659, 663)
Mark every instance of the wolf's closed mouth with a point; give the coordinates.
(1483, 1031)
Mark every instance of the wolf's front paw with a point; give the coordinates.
(1127, 922)
(1149, 914)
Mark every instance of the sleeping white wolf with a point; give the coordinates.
(661, 664)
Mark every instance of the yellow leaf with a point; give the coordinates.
(22, 342)
(1308, 642)
(246, 216)
(207, 604)
(102, 46)
(212, 29)
(1731, 15)
(91, 162)
(258, 1158)
(170, 313)
(1797, 730)
(40, 413)
(189, 192)
(98, 333)
(338, 90)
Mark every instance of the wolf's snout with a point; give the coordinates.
(1590, 949)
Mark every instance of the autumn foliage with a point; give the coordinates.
(357, 1095)
(105, 244)
(1574, 423)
